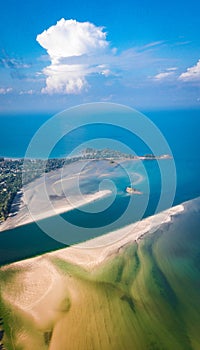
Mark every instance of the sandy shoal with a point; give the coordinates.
(42, 211)
(42, 285)
(56, 193)
(94, 252)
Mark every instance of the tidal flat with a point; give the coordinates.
(141, 292)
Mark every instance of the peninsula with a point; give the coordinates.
(13, 170)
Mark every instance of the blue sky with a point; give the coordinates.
(58, 54)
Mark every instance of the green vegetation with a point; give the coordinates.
(106, 153)
(13, 171)
(149, 156)
(10, 184)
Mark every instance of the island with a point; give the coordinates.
(131, 190)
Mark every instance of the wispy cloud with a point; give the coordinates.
(182, 43)
(15, 66)
(172, 69)
(191, 74)
(27, 92)
(153, 44)
(5, 91)
(165, 74)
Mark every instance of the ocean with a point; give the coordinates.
(179, 127)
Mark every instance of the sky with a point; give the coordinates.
(57, 54)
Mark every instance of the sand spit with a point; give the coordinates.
(42, 210)
(95, 251)
(50, 302)
(63, 190)
(41, 284)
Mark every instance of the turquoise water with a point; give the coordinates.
(180, 128)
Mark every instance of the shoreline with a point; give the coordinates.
(53, 194)
(96, 251)
(56, 290)
(22, 216)
(9, 211)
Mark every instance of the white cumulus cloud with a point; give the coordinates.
(72, 46)
(192, 73)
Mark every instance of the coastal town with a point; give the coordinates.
(14, 173)
(17, 172)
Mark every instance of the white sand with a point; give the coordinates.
(42, 210)
(95, 251)
(58, 192)
(42, 285)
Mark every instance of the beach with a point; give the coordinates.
(71, 187)
(23, 216)
(80, 287)
(95, 251)
(40, 278)
(55, 193)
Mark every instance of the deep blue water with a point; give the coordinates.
(181, 130)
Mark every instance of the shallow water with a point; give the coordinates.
(181, 129)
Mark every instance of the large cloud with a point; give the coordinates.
(71, 46)
(192, 73)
